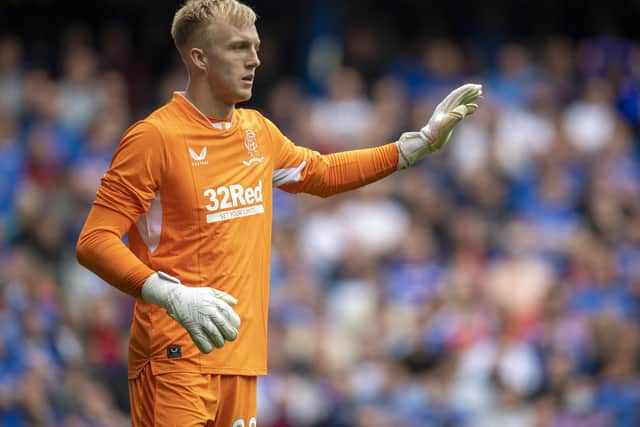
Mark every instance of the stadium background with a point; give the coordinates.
(496, 284)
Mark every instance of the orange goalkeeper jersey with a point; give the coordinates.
(199, 197)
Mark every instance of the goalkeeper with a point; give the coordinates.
(192, 185)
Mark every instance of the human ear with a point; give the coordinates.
(198, 57)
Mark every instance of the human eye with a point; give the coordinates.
(239, 46)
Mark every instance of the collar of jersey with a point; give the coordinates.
(200, 117)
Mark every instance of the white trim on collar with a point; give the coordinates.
(215, 125)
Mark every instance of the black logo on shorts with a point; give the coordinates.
(174, 351)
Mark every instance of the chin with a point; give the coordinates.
(244, 93)
(245, 96)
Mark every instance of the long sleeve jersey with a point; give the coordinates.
(195, 199)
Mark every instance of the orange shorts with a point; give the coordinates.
(191, 399)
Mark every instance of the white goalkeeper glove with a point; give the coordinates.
(414, 146)
(205, 312)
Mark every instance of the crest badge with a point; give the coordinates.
(253, 150)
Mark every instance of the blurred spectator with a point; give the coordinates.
(11, 75)
(79, 92)
(11, 169)
(590, 121)
(341, 119)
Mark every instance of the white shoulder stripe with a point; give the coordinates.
(288, 175)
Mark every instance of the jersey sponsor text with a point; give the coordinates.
(233, 201)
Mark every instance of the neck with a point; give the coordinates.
(199, 94)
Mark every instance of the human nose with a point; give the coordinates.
(254, 60)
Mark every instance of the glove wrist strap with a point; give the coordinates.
(158, 287)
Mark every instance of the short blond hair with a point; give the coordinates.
(191, 20)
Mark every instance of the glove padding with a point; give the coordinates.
(414, 146)
(205, 312)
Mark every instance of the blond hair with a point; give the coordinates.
(191, 20)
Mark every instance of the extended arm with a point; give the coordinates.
(335, 173)
(324, 175)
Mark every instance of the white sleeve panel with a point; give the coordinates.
(150, 224)
(288, 175)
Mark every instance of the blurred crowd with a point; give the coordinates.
(497, 284)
